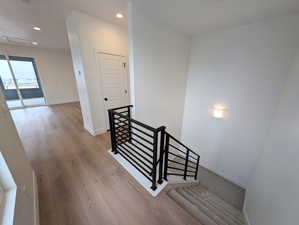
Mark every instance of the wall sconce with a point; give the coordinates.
(218, 111)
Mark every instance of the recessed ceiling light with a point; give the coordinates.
(119, 15)
(36, 28)
(34, 43)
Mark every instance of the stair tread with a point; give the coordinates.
(215, 198)
(191, 209)
(212, 212)
(217, 208)
(207, 207)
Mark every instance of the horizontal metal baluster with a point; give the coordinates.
(136, 157)
(143, 145)
(142, 138)
(143, 132)
(128, 155)
(142, 156)
(175, 168)
(141, 150)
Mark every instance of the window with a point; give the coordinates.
(5, 75)
(25, 74)
(19, 82)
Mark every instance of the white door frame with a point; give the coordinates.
(98, 51)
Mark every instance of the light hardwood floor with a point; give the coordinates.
(79, 182)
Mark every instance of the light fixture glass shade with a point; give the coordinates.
(119, 15)
(36, 28)
(218, 111)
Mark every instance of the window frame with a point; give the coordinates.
(32, 60)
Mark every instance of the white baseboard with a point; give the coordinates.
(91, 131)
(99, 131)
(139, 177)
(95, 132)
(245, 212)
(62, 102)
(36, 201)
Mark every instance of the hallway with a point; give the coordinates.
(79, 182)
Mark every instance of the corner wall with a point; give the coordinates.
(273, 192)
(16, 159)
(244, 68)
(88, 35)
(160, 58)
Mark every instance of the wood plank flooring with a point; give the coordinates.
(79, 182)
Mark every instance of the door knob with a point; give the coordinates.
(106, 99)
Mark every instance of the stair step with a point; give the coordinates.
(191, 208)
(208, 208)
(219, 209)
(216, 200)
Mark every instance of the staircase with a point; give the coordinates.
(150, 150)
(157, 156)
(206, 206)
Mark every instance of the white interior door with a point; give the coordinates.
(114, 81)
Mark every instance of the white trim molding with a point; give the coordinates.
(10, 191)
(99, 131)
(139, 177)
(245, 211)
(95, 132)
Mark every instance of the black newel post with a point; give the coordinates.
(186, 165)
(197, 164)
(161, 163)
(130, 124)
(166, 156)
(112, 131)
(154, 171)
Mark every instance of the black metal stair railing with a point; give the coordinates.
(186, 163)
(135, 141)
(148, 149)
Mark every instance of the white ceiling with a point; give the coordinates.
(189, 16)
(18, 16)
(198, 16)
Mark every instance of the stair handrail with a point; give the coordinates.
(123, 132)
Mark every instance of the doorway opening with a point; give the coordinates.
(20, 82)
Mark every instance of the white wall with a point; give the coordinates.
(273, 192)
(243, 68)
(79, 74)
(2, 200)
(55, 71)
(160, 59)
(88, 35)
(15, 156)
